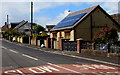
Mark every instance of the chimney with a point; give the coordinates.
(5, 23)
(7, 19)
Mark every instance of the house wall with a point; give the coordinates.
(58, 36)
(21, 40)
(33, 41)
(62, 34)
(51, 35)
(45, 42)
(18, 39)
(83, 30)
(72, 35)
(24, 27)
(14, 39)
(99, 20)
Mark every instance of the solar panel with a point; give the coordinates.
(69, 21)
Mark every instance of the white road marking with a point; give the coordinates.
(29, 57)
(63, 68)
(13, 51)
(4, 47)
(43, 69)
(93, 72)
(94, 60)
(116, 72)
(20, 72)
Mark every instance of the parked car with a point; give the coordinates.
(103, 47)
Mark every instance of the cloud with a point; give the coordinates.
(63, 15)
(60, 0)
(111, 6)
(43, 20)
(16, 11)
(19, 11)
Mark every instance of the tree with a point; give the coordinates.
(10, 33)
(106, 34)
(38, 28)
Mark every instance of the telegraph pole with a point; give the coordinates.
(31, 22)
(31, 17)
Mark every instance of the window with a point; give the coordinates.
(54, 35)
(67, 35)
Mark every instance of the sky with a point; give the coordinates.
(48, 12)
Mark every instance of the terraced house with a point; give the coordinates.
(83, 24)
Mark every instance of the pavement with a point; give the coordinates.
(74, 54)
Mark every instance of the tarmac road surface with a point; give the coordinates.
(19, 59)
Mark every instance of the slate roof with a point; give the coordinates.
(81, 14)
(21, 24)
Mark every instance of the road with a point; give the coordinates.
(15, 57)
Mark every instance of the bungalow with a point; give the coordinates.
(7, 26)
(83, 24)
(24, 27)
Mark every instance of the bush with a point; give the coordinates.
(106, 35)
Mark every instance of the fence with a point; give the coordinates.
(80, 45)
(86, 45)
(56, 44)
(100, 46)
(26, 40)
(115, 47)
(70, 45)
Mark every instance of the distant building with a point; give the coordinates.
(13, 25)
(116, 17)
(83, 24)
(24, 27)
(48, 28)
(21, 27)
(5, 27)
(8, 26)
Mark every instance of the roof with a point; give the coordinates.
(71, 20)
(13, 25)
(5, 26)
(21, 24)
(50, 26)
